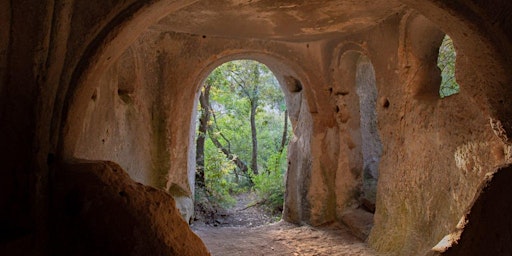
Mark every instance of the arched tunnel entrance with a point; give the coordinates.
(138, 112)
(242, 137)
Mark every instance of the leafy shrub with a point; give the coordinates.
(217, 171)
(269, 185)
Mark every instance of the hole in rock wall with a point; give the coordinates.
(241, 142)
(446, 63)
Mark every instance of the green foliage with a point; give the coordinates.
(234, 85)
(270, 128)
(446, 62)
(231, 104)
(269, 185)
(217, 176)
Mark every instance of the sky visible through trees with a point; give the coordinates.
(242, 133)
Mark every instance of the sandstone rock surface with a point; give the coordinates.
(99, 210)
(488, 219)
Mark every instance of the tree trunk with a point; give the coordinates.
(254, 139)
(205, 104)
(285, 132)
(204, 99)
(239, 163)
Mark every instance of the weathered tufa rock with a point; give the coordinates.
(488, 220)
(359, 221)
(99, 210)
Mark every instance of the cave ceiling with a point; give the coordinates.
(278, 20)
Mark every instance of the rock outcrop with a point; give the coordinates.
(98, 210)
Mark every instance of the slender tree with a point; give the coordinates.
(284, 138)
(204, 119)
(245, 77)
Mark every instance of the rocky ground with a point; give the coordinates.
(248, 230)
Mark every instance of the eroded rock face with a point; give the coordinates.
(371, 145)
(99, 210)
(488, 220)
(123, 121)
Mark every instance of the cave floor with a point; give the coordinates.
(245, 231)
(281, 238)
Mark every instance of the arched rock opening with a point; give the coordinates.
(294, 84)
(136, 113)
(355, 96)
(240, 144)
(371, 144)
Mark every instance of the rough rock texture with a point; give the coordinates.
(99, 210)
(75, 73)
(122, 122)
(301, 21)
(371, 144)
(359, 221)
(488, 220)
(436, 151)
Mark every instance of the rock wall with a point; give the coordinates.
(432, 159)
(434, 149)
(124, 123)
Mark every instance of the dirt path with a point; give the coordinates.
(245, 230)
